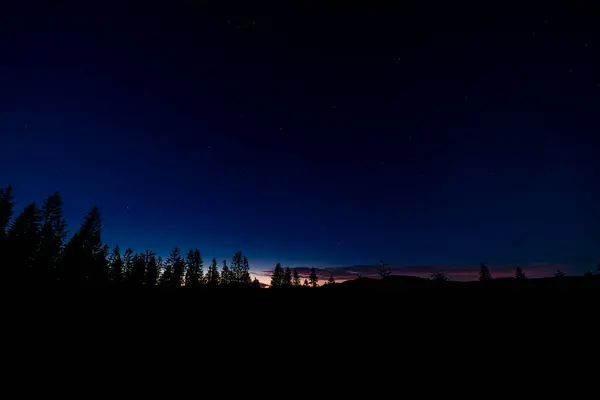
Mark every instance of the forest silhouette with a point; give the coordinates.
(35, 250)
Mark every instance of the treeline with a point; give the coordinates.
(34, 250)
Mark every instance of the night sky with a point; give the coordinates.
(318, 133)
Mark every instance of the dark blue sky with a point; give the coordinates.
(312, 134)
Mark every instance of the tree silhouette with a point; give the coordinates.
(384, 271)
(295, 278)
(115, 266)
(53, 236)
(212, 275)
(151, 275)
(287, 277)
(313, 278)
(177, 267)
(194, 273)
(245, 272)
(277, 276)
(439, 277)
(519, 274)
(85, 255)
(225, 274)
(127, 263)
(559, 274)
(138, 270)
(484, 273)
(331, 280)
(306, 282)
(6, 208)
(22, 241)
(167, 274)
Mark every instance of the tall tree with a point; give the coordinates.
(115, 266)
(277, 276)
(22, 240)
(296, 278)
(137, 275)
(519, 274)
(225, 274)
(85, 255)
(194, 272)
(313, 278)
(151, 269)
(245, 272)
(484, 273)
(167, 274)
(53, 237)
(236, 268)
(6, 208)
(287, 277)
(127, 263)
(212, 275)
(177, 266)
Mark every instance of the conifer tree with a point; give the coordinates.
(306, 282)
(53, 237)
(6, 209)
(212, 275)
(296, 278)
(167, 274)
(177, 266)
(194, 273)
(225, 274)
(127, 263)
(245, 272)
(331, 280)
(559, 274)
(313, 278)
(138, 270)
(22, 240)
(115, 265)
(256, 283)
(287, 277)
(151, 269)
(277, 276)
(519, 274)
(85, 255)
(484, 273)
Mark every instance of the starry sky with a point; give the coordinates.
(315, 133)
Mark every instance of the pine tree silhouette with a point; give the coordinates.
(277, 276)
(127, 263)
(559, 274)
(138, 270)
(151, 269)
(85, 255)
(313, 278)
(331, 280)
(167, 274)
(306, 282)
(245, 272)
(484, 273)
(53, 237)
(287, 277)
(256, 284)
(194, 274)
(115, 266)
(296, 278)
(177, 265)
(519, 274)
(6, 208)
(212, 275)
(225, 274)
(22, 241)
(439, 277)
